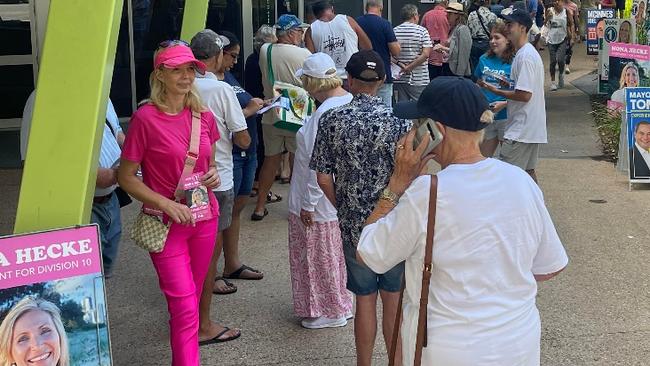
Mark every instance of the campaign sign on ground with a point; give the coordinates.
(52, 299)
(596, 27)
(616, 31)
(640, 14)
(637, 107)
(629, 67)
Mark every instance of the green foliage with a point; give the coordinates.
(608, 124)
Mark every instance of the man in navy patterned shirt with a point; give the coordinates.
(356, 144)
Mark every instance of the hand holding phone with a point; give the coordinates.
(426, 128)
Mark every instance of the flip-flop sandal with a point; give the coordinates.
(257, 217)
(217, 338)
(237, 274)
(273, 197)
(231, 287)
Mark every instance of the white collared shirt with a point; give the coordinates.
(645, 154)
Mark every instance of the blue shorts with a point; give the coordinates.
(363, 281)
(243, 172)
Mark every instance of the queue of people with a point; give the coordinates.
(357, 207)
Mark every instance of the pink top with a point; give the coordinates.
(435, 21)
(159, 143)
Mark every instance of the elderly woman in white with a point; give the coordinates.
(318, 275)
(494, 239)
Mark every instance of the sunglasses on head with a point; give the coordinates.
(173, 42)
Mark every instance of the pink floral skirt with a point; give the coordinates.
(318, 275)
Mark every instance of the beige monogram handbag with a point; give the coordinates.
(148, 231)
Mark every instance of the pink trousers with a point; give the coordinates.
(182, 267)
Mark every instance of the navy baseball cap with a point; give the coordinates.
(517, 15)
(289, 21)
(451, 100)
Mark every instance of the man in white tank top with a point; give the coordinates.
(339, 36)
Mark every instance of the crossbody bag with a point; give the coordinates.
(421, 337)
(149, 231)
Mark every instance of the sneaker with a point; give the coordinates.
(553, 87)
(567, 70)
(349, 315)
(324, 322)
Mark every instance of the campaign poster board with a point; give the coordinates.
(616, 30)
(637, 108)
(53, 280)
(596, 27)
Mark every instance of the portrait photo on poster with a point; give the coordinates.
(53, 300)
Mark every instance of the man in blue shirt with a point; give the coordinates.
(384, 42)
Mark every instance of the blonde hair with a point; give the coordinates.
(621, 82)
(27, 304)
(158, 93)
(312, 84)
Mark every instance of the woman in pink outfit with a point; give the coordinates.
(158, 142)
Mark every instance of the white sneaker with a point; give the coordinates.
(324, 322)
(553, 86)
(349, 315)
(567, 70)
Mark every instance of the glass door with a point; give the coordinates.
(18, 59)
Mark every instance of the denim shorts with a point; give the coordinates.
(244, 172)
(363, 281)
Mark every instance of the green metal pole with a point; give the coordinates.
(194, 17)
(69, 112)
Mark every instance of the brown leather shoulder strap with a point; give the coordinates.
(421, 338)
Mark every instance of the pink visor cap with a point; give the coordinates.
(177, 55)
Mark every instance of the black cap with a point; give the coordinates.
(366, 65)
(517, 15)
(451, 100)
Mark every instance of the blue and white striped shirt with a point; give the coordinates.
(110, 150)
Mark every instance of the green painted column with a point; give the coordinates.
(194, 17)
(69, 113)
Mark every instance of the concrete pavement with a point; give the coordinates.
(595, 313)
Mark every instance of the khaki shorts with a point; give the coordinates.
(496, 129)
(521, 154)
(277, 140)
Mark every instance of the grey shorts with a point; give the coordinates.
(496, 129)
(226, 200)
(521, 154)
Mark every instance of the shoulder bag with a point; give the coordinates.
(421, 338)
(299, 107)
(149, 232)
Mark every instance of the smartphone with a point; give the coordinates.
(426, 128)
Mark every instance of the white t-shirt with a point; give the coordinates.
(304, 192)
(413, 39)
(492, 233)
(527, 120)
(222, 101)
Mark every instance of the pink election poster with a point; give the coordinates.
(53, 280)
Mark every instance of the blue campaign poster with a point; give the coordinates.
(596, 27)
(637, 107)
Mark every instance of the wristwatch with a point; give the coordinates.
(389, 196)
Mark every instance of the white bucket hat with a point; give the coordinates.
(318, 65)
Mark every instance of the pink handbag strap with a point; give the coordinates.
(192, 154)
(190, 162)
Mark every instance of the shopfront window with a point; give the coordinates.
(16, 60)
(226, 15)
